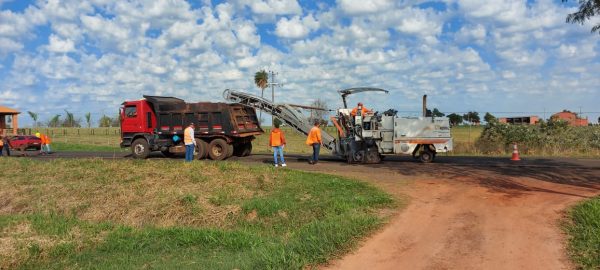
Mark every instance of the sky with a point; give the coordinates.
(510, 58)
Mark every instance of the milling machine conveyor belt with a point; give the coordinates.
(288, 114)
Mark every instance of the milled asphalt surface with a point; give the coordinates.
(405, 161)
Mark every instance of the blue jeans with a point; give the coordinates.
(189, 152)
(278, 149)
(45, 148)
(316, 149)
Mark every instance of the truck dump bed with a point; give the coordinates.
(173, 115)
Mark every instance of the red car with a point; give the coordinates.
(24, 142)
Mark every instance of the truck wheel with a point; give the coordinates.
(426, 156)
(201, 149)
(229, 150)
(238, 150)
(247, 149)
(140, 148)
(218, 149)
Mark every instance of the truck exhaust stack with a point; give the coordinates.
(424, 105)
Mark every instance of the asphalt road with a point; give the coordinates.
(405, 161)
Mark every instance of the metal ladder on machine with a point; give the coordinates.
(288, 114)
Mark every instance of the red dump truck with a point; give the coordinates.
(156, 123)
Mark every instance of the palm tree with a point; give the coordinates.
(34, 116)
(261, 79)
(54, 121)
(88, 119)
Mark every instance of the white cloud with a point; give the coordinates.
(364, 6)
(9, 46)
(59, 45)
(524, 58)
(419, 22)
(246, 33)
(167, 47)
(472, 33)
(508, 74)
(296, 27)
(276, 7)
(503, 11)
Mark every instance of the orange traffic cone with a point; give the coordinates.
(515, 154)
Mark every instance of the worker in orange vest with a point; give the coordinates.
(190, 142)
(361, 108)
(2, 145)
(43, 140)
(277, 141)
(314, 140)
(46, 143)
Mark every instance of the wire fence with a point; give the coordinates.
(84, 136)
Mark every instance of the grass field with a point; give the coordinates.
(584, 232)
(463, 140)
(106, 214)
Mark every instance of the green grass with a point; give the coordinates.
(463, 140)
(584, 232)
(73, 147)
(165, 214)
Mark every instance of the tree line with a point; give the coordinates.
(70, 120)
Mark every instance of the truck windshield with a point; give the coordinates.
(130, 111)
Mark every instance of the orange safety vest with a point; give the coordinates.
(362, 111)
(314, 136)
(187, 139)
(45, 139)
(276, 138)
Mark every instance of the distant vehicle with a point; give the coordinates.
(157, 124)
(25, 142)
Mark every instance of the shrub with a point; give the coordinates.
(552, 138)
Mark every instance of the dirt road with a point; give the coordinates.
(464, 212)
(471, 213)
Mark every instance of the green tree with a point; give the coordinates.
(116, 121)
(472, 117)
(104, 121)
(488, 117)
(261, 79)
(455, 119)
(54, 121)
(34, 117)
(70, 120)
(587, 10)
(437, 113)
(88, 119)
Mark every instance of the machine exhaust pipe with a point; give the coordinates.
(424, 105)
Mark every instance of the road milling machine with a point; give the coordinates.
(365, 137)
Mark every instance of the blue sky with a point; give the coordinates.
(510, 58)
